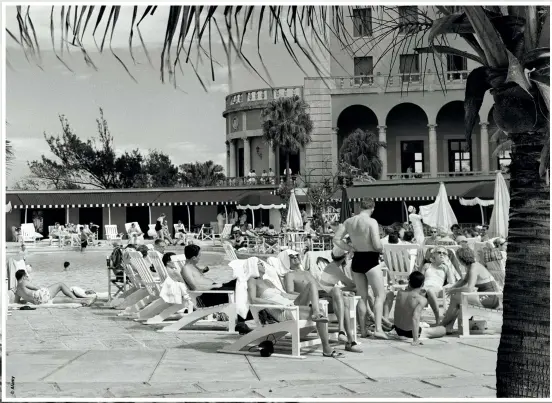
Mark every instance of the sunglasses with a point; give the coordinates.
(294, 257)
(441, 253)
(502, 244)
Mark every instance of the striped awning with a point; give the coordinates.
(134, 198)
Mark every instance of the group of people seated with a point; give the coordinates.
(86, 234)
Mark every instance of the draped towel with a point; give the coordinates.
(174, 292)
(273, 272)
(243, 270)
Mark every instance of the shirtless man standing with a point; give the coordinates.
(408, 311)
(366, 245)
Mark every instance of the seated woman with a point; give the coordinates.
(436, 273)
(264, 292)
(238, 240)
(477, 279)
(180, 231)
(165, 233)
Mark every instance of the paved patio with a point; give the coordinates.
(90, 352)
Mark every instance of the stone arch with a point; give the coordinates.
(407, 138)
(355, 117)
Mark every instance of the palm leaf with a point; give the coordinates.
(490, 40)
(448, 50)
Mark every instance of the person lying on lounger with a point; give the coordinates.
(197, 281)
(408, 311)
(265, 293)
(28, 292)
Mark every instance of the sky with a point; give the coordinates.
(185, 123)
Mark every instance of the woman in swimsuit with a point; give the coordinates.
(477, 279)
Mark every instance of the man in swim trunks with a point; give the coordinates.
(197, 281)
(408, 311)
(25, 290)
(363, 231)
(263, 292)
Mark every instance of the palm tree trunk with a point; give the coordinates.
(523, 362)
(287, 169)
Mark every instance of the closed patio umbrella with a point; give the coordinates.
(498, 226)
(294, 219)
(345, 206)
(439, 214)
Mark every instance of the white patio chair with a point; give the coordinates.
(151, 231)
(111, 233)
(29, 234)
(132, 238)
(400, 262)
(225, 234)
(229, 250)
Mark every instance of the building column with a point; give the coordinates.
(232, 158)
(484, 147)
(334, 151)
(271, 158)
(246, 156)
(433, 150)
(383, 151)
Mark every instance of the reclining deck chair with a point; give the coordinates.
(400, 262)
(139, 238)
(195, 312)
(225, 234)
(29, 234)
(111, 233)
(229, 250)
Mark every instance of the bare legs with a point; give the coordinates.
(60, 287)
(375, 280)
(388, 304)
(361, 283)
(309, 294)
(432, 299)
(305, 313)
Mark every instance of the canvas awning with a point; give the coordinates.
(255, 201)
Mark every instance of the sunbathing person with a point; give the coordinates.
(477, 279)
(436, 273)
(408, 311)
(263, 292)
(28, 292)
(196, 281)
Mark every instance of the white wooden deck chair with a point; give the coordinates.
(53, 241)
(271, 244)
(229, 250)
(135, 239)
(187, 321)
(28, 233)
(296, 241)
(151, 231)
(478, 249)
(400, 263)
(111, 233)
(225, 234)
(298, 329)
(492, 317)
(136, 297)
(201, 232)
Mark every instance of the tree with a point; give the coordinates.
(130, 170)
(160, 170)
(201, 174)
(507, 41)
(361, 150)
(287, 125)
(10, 155)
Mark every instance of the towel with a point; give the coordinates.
(174, 292)
(285, 263)
(314, 264)
(273, 273)
(243, 270)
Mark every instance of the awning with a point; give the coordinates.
(483, 190)
(125, 198)
(256, 201)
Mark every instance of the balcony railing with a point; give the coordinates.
(256, 181)
(380, 82)
(427, 175)
(264, 94)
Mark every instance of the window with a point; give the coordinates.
(409, 67)
(364, 66)
(456, 67)
(362, 22)
(408, 19)
(412, 156)
(459, 157)
(504, 160)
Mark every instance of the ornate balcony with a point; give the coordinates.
(379, 83)
(239, 100)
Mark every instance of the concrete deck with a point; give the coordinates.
(90, 352)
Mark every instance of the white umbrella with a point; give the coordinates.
(294, 219)
(439, 214)
(498, 225)
(8, 207)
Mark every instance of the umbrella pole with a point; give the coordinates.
(149, 208)
(226, 214)
(25, 214)
(109, 214)
(67, 210)
(253, 217)
(189, 219)
(482, 215)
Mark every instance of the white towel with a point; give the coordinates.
(243, 270)
(273, 273)
(174, 292)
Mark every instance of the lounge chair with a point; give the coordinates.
(271, 244)
(151, 231)
(188, 320)
(139, 238)
(230, 251)
(225, 234)
(477, 312)
(400, 262)
(29, 234)
(51, 237)
(187, 235)
(111, 233)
